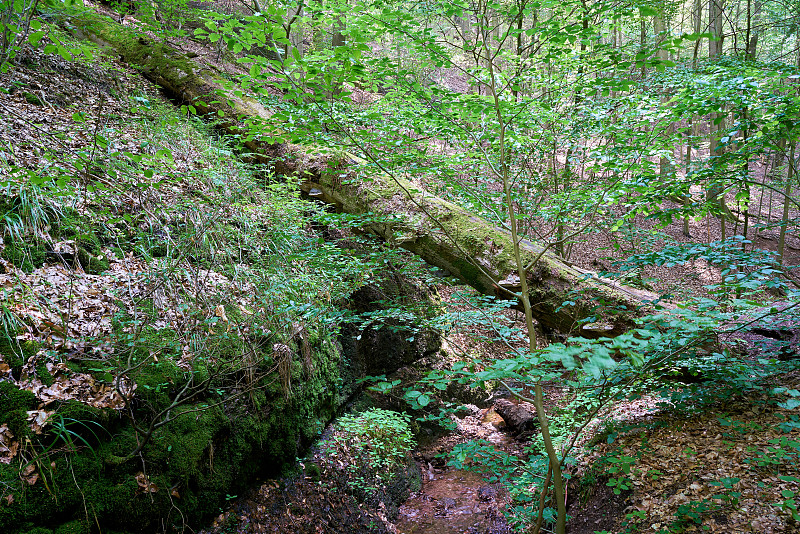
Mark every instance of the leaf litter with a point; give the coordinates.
(71, 313)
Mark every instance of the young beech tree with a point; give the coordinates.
(527, 114)
(531, 116)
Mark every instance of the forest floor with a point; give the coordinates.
(728, 467)
(733, 468)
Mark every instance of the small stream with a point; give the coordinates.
(454, 502)
(449, 501)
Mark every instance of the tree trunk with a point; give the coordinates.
(440, 232)
(715, 22)
(468, 247)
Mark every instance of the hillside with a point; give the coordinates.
(232, 265)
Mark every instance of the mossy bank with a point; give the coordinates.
(84, 477)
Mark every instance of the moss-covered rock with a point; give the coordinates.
(14, 403)
(14, 352)
(90, 263)
(212, 446)
(87, 238)
(25, 256)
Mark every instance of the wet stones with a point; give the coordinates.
(486, 493)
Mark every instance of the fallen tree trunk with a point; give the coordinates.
(519, 419)
(564, 297)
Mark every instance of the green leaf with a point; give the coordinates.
(598, 364)
(790, 404)
(647, 11)
(35, 37)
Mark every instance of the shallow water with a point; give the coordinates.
(453, 502)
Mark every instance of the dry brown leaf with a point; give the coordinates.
(38, 419)
(29, 475)
(8, 446)
(145, 486)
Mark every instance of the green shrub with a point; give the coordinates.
(378, 440)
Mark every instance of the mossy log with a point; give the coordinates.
(440, 232)
(565, 298)
(187, 81)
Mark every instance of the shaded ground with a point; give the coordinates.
(454, 502)
(681, 467)
(595, 507)
(301, 506)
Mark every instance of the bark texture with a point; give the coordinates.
(440, 232)
(470, 248)
(518, 418)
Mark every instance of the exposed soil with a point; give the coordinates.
(595, 508)
(452, 501)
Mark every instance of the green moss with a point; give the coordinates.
(16, 353)
(44, 375)
(184, 447)
(208, 451)
(89, 416)
(26, 257)
(81, 229)
(91, 264)
(156, 383)
(31, 98)
(14, 403)
(73, 527)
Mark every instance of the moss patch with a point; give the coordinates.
(31, 98)
(212, 447)
(16, 353)
(26, 257)
(14, 403)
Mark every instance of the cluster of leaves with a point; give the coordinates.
(372, 446)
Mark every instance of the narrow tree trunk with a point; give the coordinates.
(716, 21)
(787, 191)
